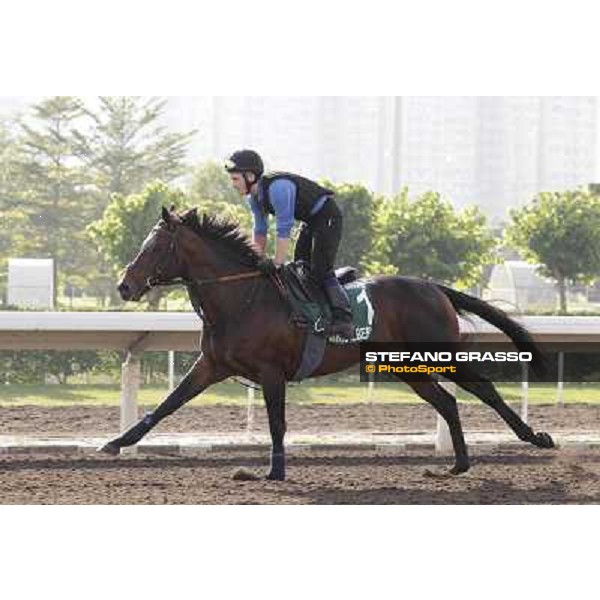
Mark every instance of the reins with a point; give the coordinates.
(153, 281)
(156, 280)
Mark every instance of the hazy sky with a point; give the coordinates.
(297, 149)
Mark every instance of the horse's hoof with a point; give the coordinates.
(109, 448)
(275, 476)
(458, 469)
(544, 440)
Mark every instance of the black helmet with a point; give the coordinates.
(245, 160)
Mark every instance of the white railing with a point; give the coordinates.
(138, 332)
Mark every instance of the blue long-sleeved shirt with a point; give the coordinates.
(282, 194)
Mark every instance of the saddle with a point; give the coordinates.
(310, 308)
(310, 311)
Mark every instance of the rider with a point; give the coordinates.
(291, 197)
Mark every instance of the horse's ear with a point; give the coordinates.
(166, 215)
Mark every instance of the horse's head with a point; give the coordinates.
(157, 261)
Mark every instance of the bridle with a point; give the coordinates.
(157, 278)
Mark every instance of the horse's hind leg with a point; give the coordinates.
(445, 404)
(485, 390)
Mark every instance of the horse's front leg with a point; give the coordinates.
(273, 387)
(203, 374)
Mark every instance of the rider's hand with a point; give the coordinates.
(267, 266)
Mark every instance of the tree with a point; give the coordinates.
(9, 153)
(128, 147)
(12, 216)
(427, 238)
(559, 231)
(57, 174)
(126, 223)
(33, 366)
(211, 191)
(211, 180)
(54, 190)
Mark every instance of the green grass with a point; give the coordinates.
(233, 393)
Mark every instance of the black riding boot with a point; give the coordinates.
(341, 311)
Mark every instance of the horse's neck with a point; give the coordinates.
(217, 300)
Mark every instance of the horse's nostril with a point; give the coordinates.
(123, 288)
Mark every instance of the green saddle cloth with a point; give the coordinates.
(311, 310)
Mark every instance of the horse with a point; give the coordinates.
(248, 333)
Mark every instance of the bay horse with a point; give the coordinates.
(247, 330)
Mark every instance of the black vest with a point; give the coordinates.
(307, 193)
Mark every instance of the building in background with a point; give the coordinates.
(515, 286)
(31, 282)
(496, 152)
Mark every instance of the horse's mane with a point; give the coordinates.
(224, 232)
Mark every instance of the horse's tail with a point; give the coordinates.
(517, 333)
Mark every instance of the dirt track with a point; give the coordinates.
(352, 477)
(514, 476)
(82, 420)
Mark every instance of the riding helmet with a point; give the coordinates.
(245, 161)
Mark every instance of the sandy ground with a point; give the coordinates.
(520, 475)
(82, 420)
(523, 476)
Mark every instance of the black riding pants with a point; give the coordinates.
(319, 240)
